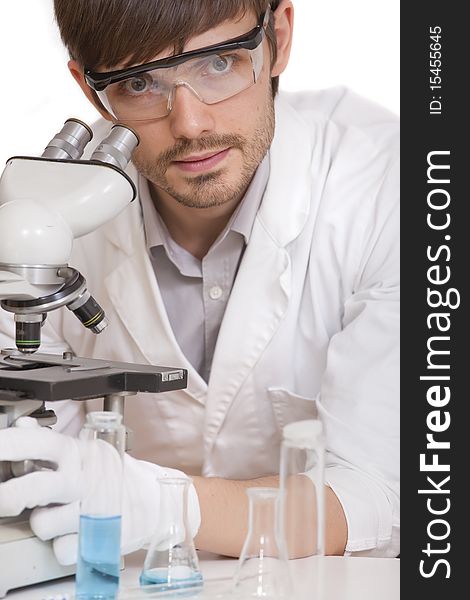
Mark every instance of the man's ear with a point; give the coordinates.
(77, 74)
(283, 27)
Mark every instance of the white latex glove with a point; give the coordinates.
(75, 475)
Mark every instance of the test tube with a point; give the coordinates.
(301, 478)
(99, 555)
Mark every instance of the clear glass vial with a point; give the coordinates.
(99, 555)
(171, 560)
(262, 570)
(301, 480)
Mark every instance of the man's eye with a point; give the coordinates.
(138, 85)
(221, 63)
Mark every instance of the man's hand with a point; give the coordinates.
(75, 475)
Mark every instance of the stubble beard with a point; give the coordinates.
(210, 189)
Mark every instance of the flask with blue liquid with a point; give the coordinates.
(171, 562)
(99, 556)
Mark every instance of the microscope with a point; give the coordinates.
(46, 202)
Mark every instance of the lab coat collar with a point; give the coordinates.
(289, 185)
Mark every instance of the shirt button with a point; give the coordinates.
(215, 293)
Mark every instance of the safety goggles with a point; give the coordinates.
(213, 74)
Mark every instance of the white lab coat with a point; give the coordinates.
(311, 326)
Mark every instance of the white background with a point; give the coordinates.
(351, 42)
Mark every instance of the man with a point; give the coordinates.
(262, 257)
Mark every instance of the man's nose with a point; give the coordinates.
(189, 116)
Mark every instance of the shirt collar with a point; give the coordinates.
(242, 220)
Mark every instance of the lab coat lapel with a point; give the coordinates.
(261, 292)
(257, 304)
(134, 292)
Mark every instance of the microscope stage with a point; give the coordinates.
(50, 377)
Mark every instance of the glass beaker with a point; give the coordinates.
(262, 570)
(171, 559)
(99, 552)
(301, 480)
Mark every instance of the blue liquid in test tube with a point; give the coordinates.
(99, 558)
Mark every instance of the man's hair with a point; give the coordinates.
(105, 33)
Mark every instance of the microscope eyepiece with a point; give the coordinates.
(116, 149)
(70, 142)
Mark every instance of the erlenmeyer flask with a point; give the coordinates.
(262, 570)
(171, 559)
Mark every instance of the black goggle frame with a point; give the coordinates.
(251, 40)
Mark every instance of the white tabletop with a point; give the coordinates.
(332, 578)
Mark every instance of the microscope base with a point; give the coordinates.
(29, 559)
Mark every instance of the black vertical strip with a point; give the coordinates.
(435, 256)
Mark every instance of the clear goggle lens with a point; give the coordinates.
(211, 78)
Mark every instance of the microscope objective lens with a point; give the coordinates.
(28, 336)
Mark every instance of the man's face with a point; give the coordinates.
(205, 155)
